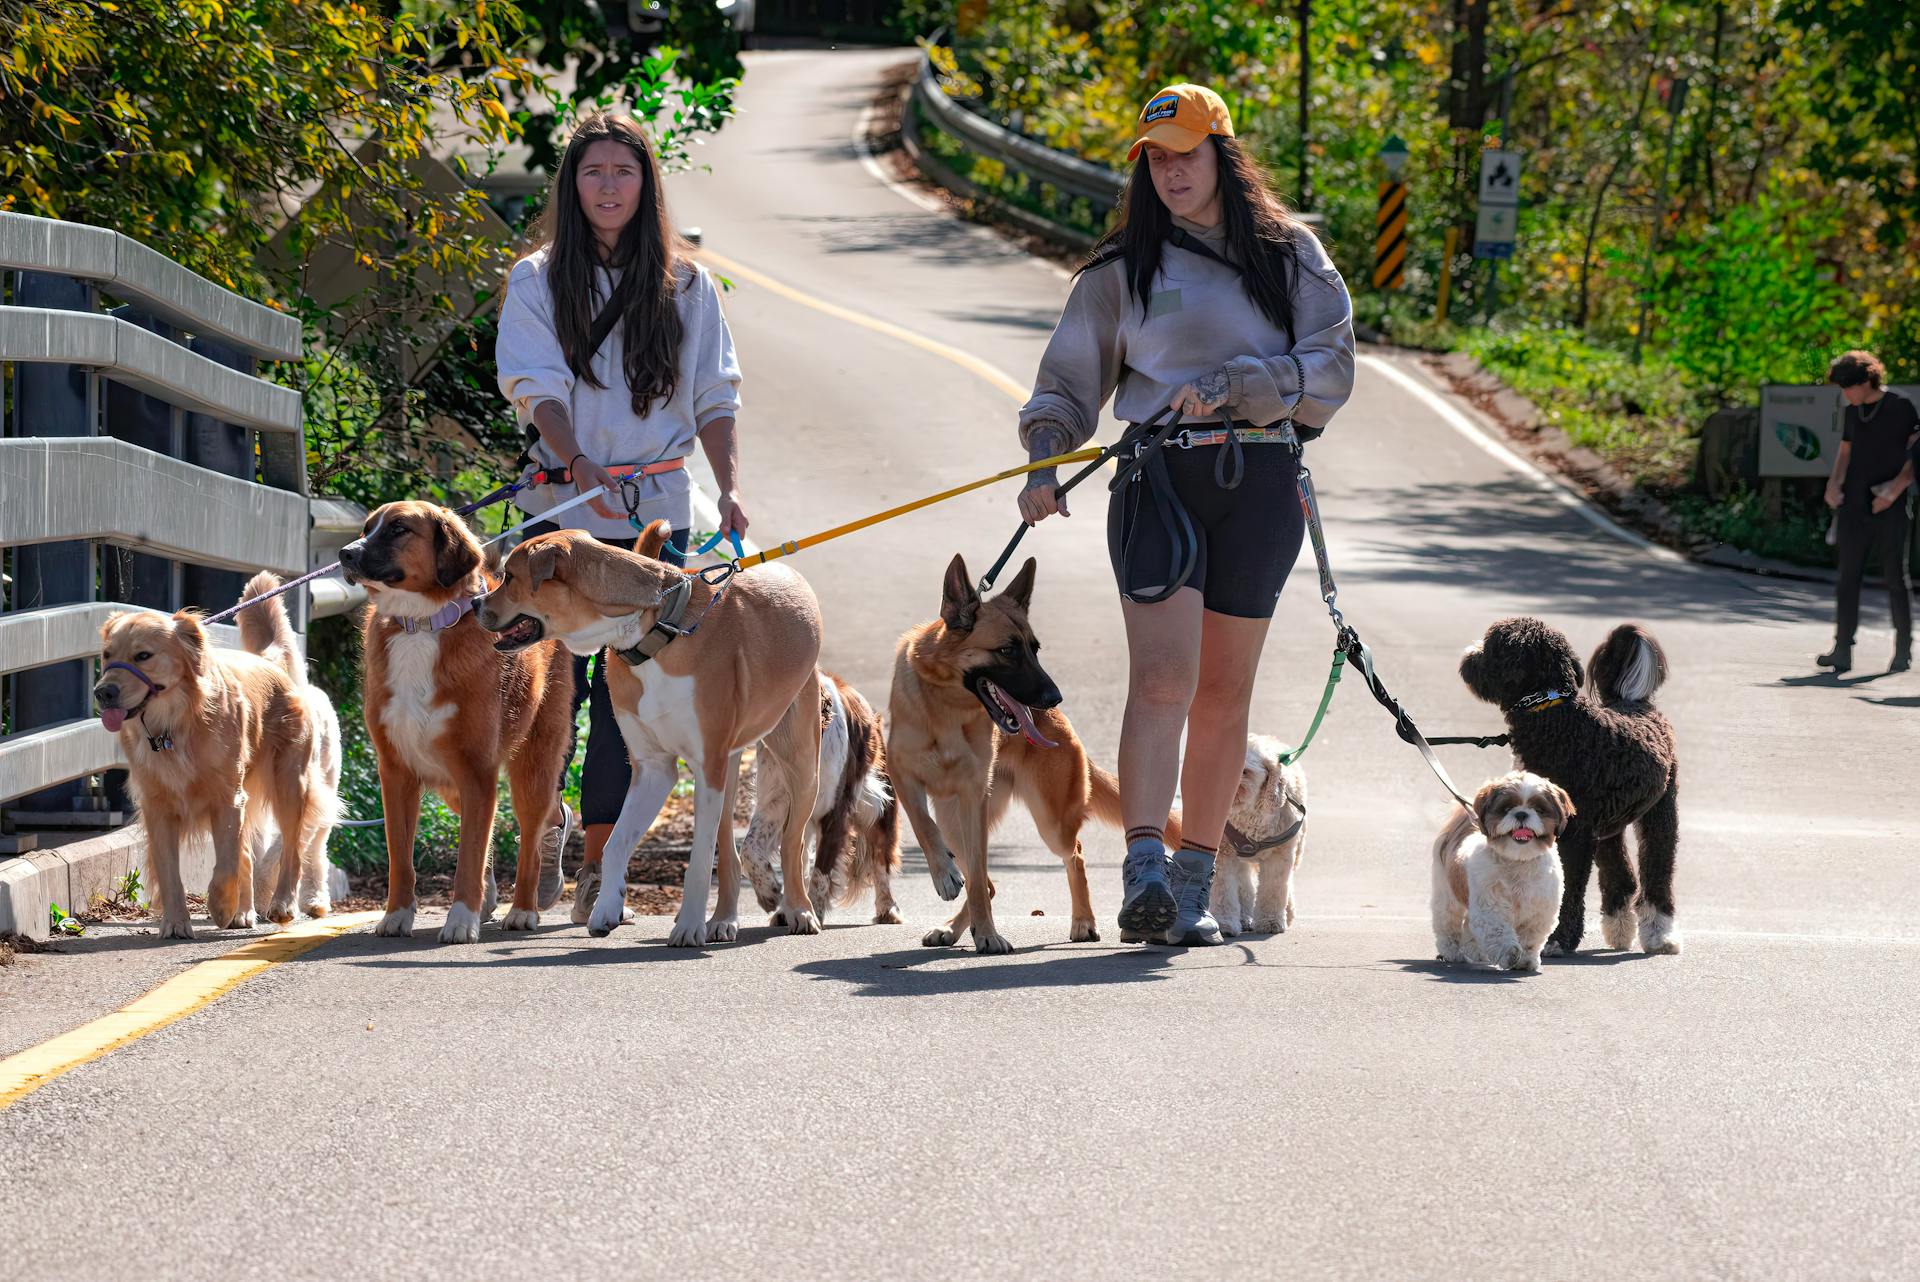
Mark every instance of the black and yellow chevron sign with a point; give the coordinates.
(1390, 237)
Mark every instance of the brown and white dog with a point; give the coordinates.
(1496, 873)
(1266, 838)
(975, 723)
(741, 672)
(854, 826)
(447, 710)
(216, 742)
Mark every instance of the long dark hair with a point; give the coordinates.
(1263, 236)
(650, 255)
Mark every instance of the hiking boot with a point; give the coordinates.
(1192, 889)
(1146, 907)
(553, 843)
(1840, 659)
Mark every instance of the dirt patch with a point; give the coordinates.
(654, 877)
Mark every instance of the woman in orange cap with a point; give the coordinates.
(1207, 298)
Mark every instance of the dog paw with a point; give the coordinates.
(990, 942)
(891, 917)
(237, 920)
(520, 919)
(688, 935)
(462, 926)
(947, 881)
(939, 937)
(1617, 928)
(723, 930)
(601, 921)
(318, 908)
(797, 921)
(398, 921)
(176, 928)
(1229, 926)
(1085, 931)
(1553, 948)
(1658, 936)
(1275, 925)
(280, 912)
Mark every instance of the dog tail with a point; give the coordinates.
(265, 628)
(1628, 667)
(1458, 828)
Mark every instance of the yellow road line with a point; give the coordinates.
(192, 990)
(965, 360)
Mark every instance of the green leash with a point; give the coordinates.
(1292, 755)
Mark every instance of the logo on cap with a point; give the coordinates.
(1162, 108)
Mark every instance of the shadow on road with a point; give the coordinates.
(1828, 680)
(1450, 973)
(915, 972)
(1899, 701)
(1507, 539)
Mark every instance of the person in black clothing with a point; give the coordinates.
(1870, 490)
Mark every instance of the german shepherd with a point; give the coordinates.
(974, 724)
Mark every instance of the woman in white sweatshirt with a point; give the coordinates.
(616, 357)
(1208, 298)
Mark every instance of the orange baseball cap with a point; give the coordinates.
(1179, 118)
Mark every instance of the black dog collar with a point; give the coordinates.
(1541, 701)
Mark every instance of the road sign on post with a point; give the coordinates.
(1494, 231)
(1390, 221)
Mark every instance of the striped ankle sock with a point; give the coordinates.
(1198, 848)
(1145, 838)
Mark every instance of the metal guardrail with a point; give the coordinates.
(143, 465)
(1068, 173)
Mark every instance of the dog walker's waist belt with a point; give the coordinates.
(619, 471)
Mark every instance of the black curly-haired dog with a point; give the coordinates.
(1611, 750)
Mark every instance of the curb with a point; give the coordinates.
(71, 875)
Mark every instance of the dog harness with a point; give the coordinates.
(673, 608)
(1247, 848)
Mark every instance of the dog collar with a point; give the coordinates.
(442, 619)
(666, 626)
(1247, 848)
(1541, 701)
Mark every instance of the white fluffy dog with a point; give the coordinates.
(1496, 873)
(314, 896)
(1266, 838)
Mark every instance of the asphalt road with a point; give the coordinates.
(1327, 1103)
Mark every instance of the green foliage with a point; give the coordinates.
(1745, 302)
(62, 922)
(186, 123)
(1797, 534)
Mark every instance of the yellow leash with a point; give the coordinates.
(813, 540)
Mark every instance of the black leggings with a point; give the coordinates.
(1888, 533)
(1248, 537)
(607, 771)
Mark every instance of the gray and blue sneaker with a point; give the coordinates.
(1192, 889)
(553, 844)
(1147, 908)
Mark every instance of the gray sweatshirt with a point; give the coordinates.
(533, 369)
(1199, 320)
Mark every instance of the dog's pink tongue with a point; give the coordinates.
(1523, 834)
(113, 719)
(1024, 716)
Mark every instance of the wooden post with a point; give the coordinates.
(1446, 274)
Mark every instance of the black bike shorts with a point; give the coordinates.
(1244, 540)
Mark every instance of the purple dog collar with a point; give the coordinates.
(442, 619)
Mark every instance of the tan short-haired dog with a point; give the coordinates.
(448, 710)
(698, 671)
